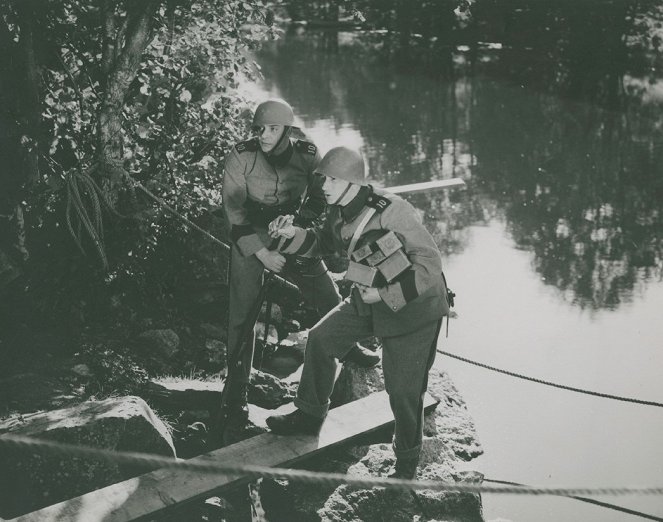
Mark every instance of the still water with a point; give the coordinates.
(555, 246)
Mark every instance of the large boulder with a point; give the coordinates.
(30, 480)
(449, 438)
(349, 503)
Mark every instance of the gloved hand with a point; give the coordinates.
(282, 227)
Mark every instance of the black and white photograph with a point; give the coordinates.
(331, 261)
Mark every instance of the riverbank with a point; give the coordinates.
(178, 408)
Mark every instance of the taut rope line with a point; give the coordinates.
(288, 284)
(554, 385)
(24, 443)
(188, 222)
(599, 503)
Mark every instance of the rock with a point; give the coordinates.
(291, 325)
(299, 500)
(276, 316)
(451, 421)
(449, 438)
(268, 391)
(193, 438)
(82, 370)
(31, 480)
(176, 395)
(214, 331)
(378, 504)
(159, 343)
(215, 354)
(296, 341)
(288, 357)
(354, 383)
(272, 336)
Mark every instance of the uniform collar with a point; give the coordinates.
(357, 204)
(281, 157)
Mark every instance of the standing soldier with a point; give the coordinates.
(404, 305)
(266, 176)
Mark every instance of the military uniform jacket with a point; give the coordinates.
(414, 298)
(248, 176)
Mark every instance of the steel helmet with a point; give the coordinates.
(274, 112)
(343, 163)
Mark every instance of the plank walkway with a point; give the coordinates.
(142, 496)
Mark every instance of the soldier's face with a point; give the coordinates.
(269, 135)
(334, 189)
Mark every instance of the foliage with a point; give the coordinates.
(113, 370)
(179, 113)
(427, 18)
(550, 111)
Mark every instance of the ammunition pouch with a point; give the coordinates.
(378, 260)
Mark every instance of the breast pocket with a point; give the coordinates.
(261, 189)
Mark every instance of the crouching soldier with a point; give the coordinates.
(264, 177)
(399, 295)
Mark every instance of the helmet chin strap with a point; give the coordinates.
(340, 198)
(283, 142)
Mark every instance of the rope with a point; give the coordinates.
(283, 282)
(606, 505)
(554, 385)
(26, 443)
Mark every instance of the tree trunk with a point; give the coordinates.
(30, 99)
(122, 63)
(20, 125)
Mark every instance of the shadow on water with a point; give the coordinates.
(550, 111)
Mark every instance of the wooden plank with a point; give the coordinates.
(427, 185)
(158, 490)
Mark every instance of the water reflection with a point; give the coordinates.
(556, 128)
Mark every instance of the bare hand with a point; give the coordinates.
(369, 294)
(282, 227)
(272, 260)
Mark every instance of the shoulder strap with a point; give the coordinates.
(368, 214)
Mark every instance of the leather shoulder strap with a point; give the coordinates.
(368, 214)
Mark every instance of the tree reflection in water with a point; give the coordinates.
(549, 111)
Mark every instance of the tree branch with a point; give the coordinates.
(108, 47)
(140, 22)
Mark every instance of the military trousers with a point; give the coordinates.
(406, 361)
(246, 278)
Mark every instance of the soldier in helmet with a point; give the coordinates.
(405, 311)
(266, 176)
